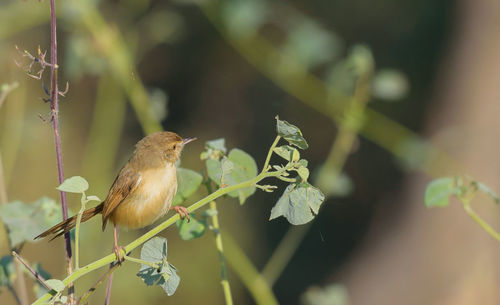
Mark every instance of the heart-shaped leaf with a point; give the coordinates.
(165, 276)
(236, 168)
(438, 192)
(75, 184)
(298, 204)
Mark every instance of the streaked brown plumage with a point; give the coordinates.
(144, 189)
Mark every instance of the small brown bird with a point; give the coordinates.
(142, 192)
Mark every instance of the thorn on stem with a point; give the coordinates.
(63, 93)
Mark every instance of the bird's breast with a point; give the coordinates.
(151, 200)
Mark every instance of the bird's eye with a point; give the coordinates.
(175, 146)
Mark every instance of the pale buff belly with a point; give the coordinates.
(151, 200)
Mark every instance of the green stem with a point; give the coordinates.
(218, 242)
(291, 180)
(284, 252)
(140, 261)
(480, 221)
(77, 232)
(167, 223)
(270, 153)
(249, 275)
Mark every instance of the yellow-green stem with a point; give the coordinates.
(284, 252)
(249, 275)
(140, 261)
(77, 232)
(480, 221)
(218, 242)
(270, 153)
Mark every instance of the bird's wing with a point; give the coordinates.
(125, 183)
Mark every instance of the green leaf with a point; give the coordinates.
(291, 133)
(390, 85)
(217, 144)
(438, 192)
(56, 285)
(288, 153)
(333, 294)
(25, 221)
(332, 183)
(298, 204)
(188, 182)
(303, 173)
(214, 170)
(75, 184)
(170, 279)
(244, 168)
(310, 44)
(7, 271)
(214, 149)
(192, 229)
(209, 213)
(243, 18)
(155, 251)
(236, 168)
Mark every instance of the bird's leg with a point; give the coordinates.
(182, 211)
(118, 249)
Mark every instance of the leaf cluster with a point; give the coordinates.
(439, 191)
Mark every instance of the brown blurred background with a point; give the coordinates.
(215, 69)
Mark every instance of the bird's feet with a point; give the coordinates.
(182, 211)
(119, 252)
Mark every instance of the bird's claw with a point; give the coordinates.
(182, 211)
(119, 250)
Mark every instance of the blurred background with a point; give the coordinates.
(389, 94)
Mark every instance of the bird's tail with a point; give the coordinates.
(65, 226)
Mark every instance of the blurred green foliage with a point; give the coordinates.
(167, 62)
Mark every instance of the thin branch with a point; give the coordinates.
(141, 261)
(3, 187)
(37, 275)
(4, 91)
(480, 221)
(269, 154)
(21, 285)
(54, 106)
(101, 280)
(14, 294)
(284, 252)
(107, 299)
(223, 269)
(243, 267)
(77, 231)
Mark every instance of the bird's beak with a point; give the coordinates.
(187, 140)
